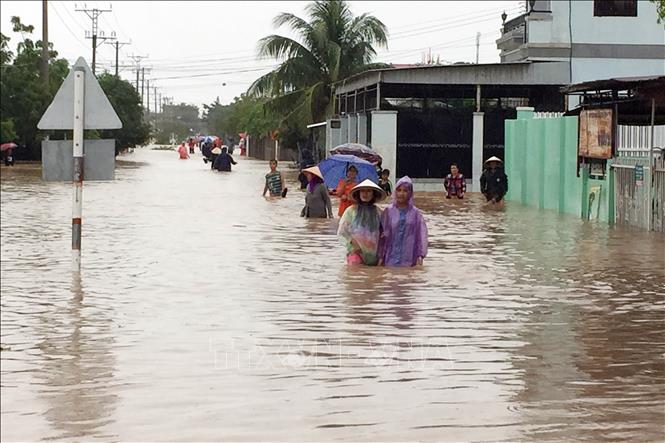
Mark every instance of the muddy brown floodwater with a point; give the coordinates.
(205, 312)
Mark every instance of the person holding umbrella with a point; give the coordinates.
(317, 200)
(344, 188)
(360, 226)
(8, 149)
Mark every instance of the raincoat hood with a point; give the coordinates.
(404, 181)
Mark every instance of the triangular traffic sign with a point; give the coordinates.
(99, 114)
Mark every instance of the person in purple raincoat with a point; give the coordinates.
(404, 238)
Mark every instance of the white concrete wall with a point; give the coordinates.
(362, 129)
(353, 128)
(587, 69)
(344, 130)
(384, 139)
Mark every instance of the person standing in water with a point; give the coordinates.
(224, 161)
(454, 183)
(344, 188)
(274, 181)
(493, 181)
(360, 226)
(404, 232)
(317, 200)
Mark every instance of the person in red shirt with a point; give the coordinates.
(344, 188)
(455, 183)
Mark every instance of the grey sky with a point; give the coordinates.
(194, 47)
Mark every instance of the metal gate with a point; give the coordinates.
(632, 199)
(658, 223)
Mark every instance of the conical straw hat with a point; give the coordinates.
(494, 159)
(314, 170)
(368, 184)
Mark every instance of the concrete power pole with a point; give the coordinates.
(45, 51)
(117, 45)
(477, 47)
(137, 61)
(94, 16)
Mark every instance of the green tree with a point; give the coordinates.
(245, 114)
(660, 9)
(127, 104)
(23, 98)
(331, 46)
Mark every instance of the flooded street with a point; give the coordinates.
(206, 312)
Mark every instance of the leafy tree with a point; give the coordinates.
(331, 46)
(127, 104)
(245, 114)
(660, 9)
(23, 97)
(181, 120)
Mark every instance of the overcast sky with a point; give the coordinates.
(195, 47)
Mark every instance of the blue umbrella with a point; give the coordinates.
(334, 169)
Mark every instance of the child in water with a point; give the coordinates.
(360, 226)
(404, 236)
(384, 182)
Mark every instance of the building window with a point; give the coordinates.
(615, 8)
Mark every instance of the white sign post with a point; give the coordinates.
(79, 104)
(77, 210)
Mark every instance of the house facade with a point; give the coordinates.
(599, 39)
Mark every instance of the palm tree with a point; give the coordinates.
(333, 45)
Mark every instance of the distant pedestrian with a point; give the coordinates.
(9, 157)
(493, 181)
(224, 161)
(190, 143)
(317, 200)
(214, 153)
(384, 182)
(182, 151)
(274, 181)
(404, 232)
(454, 183)
(344, 187)
(360, 226)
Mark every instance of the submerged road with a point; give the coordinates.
(205, 312)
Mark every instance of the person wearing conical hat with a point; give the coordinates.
(360, 226)
(404, 232)
(493, 181)
(317, 200)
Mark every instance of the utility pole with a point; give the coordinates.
(155, 94)
(117, 46)
(477, 47)
(94, 16)
(148, 97)
(45, 51)
(142, 84)
(137, 61)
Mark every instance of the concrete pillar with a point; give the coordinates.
(384, 139)
(344, 129)
(477, 150)
(524, 112)
(333, 134)
(247, 145)
(353, 128)
(362, 128)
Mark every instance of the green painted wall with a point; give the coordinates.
(541, 164)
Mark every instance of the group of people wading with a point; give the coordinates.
(394, 236)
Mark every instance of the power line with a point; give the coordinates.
(65, 25)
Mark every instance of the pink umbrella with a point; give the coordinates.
(10, 145)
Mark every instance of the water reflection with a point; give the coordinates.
(76, 380)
